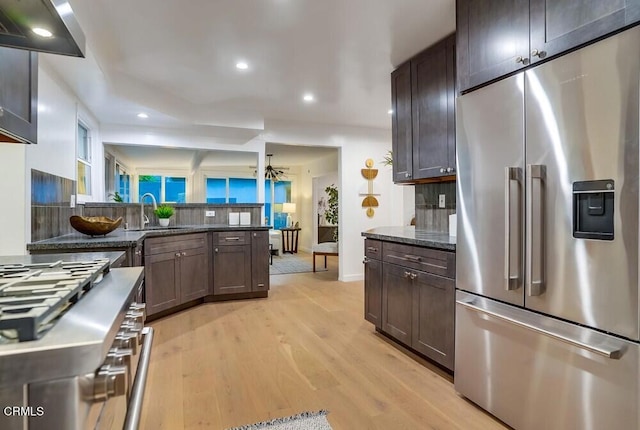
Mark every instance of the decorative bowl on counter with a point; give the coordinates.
(94, 225)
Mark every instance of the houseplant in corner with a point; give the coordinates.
(163, 213)
(331, 213)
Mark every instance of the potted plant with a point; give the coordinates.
(164, 212)
(331, 213)
(116, 197)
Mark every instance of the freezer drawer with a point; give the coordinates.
(535, 372)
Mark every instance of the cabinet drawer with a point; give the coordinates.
(428, 260)
(159, 245)
(231, 238)
(373, 249)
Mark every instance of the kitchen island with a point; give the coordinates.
(410, 289)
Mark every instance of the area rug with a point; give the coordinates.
(294, 263)
(303, 421)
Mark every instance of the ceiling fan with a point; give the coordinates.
(274, 173)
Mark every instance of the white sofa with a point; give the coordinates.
(275, 240)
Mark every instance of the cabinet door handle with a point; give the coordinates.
(261, 285)
(372, 249)
(406, 274)
(177, 254)
(365, 261)
(442, 170)
(406, 175)
(232, 238)
(183, 254)
(413, 276)
(539, 54)
(413, 258)
(216, 250)
(523, 60)
(449, 169)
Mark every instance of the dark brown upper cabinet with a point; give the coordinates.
(558, 26)
(492, 39)
(401, 125)
(18, 96)
(498, 37)
(423, 99)
(433, 111)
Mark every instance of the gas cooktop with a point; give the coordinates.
(33, 296)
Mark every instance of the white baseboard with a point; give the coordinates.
(351, 278)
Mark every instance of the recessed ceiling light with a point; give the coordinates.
(42, 32)
(143, 115)
(390, 111)
(308, 97)
(242, 65)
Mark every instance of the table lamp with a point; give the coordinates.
(289, 208)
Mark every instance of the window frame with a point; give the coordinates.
(88, 162)
(163, 173)
(218, 174)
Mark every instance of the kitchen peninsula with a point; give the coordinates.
(184, 265)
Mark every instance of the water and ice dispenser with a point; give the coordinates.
(593, 203)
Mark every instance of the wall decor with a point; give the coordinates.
(370, 201)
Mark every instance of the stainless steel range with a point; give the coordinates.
(74, 351)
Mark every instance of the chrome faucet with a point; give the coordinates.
(144, 220)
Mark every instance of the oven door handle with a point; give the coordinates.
(134, 408)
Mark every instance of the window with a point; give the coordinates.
(164, 188)
(216, 190)
(84, 160)
(175, 189)
(231, 190)
(123, 183)
(281, 192)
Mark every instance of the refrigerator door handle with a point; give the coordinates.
(512, 280)
(612, 350)
(535, 230)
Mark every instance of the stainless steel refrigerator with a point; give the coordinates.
(547, 314)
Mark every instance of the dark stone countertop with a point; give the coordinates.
(120, 238)
(411, 236)
(113, 256)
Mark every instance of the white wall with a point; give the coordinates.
(58, 113)
(14, 196)
(55, 153)
(305, 198)
(355, 145)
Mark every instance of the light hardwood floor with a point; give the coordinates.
(306, 347)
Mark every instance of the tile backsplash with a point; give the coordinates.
(429, 216)
(51, 205)
(185, 213)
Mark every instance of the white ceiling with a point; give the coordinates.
(175, 59)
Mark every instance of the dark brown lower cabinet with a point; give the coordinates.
(161, 289)
(397, 302)
(414, 307)
(183, 268)
(232, 269)
(373, 291)
(194, 279)
(260, 261)
(176, 271)
(432, 331)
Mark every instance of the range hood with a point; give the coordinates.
(41, 25)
